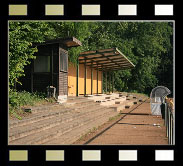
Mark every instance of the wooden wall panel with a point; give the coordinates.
(99, 82)
(71, 80)
(94, 81)
(81, 78)
(63, 83)
(88, 81)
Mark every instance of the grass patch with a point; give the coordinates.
(114, 117)
(133, 92)
(94, 129)
(17, 100)
(138, 93)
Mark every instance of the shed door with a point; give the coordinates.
(63, 72)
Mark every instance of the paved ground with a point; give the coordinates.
(135, 126)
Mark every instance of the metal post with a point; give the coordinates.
(97, 79)
(169, 126)
(173, 127)
(109, 82)
(170, 129)
(112, 82)
(102, 81)
(51, 61)
(32, 69)
(85, 78)
(165, 114)
(166, 111)
(106, 81)
(77, 78)
(92, 78)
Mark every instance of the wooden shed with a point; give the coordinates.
(50, 68)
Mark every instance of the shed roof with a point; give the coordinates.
(106, 59)
(68, 42)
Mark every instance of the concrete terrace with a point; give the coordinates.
(58, 124)
(136, 126)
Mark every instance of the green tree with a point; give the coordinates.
(148, 45)
(22, 35)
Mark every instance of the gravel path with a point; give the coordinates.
(135, 126)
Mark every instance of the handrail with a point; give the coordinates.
(169, 101)
(170, 120)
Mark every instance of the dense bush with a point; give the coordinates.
(17, 99)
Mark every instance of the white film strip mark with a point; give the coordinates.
(127, 155)
(18, 10)
(164, 155)
(91, 155)
(163, 10)
(54, 10)
(127, 10)
(54, 155)
(18, 155)
(91, 10)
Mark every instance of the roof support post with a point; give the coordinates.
(32, 70)
(85, 78)
(109, 82)
(77, 78)
(51, 64)
(112, 81)
(106, 82)
(102, 81)
(97, 79)
(92, 79)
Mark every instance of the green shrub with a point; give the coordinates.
(18, 99)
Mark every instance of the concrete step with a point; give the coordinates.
(120, 106)
(47, 134)
(35, 109)
(22, 131)
(78, 101)
(123, 93)
(129, 103)
(33, 117)
(113, 101)
(103, 97)
(47, 114)
(74, 135)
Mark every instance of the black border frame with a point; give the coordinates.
(72, 11)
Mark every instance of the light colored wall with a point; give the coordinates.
(88, 80)
(72, 80)
(94, 81)
(81, 78)
(100, 82)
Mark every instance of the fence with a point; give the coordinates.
(170, 121)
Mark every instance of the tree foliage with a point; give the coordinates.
(21, 37)
(148, 45)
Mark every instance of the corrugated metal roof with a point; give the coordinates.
(106, 59)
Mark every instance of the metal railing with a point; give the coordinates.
(170, 121)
